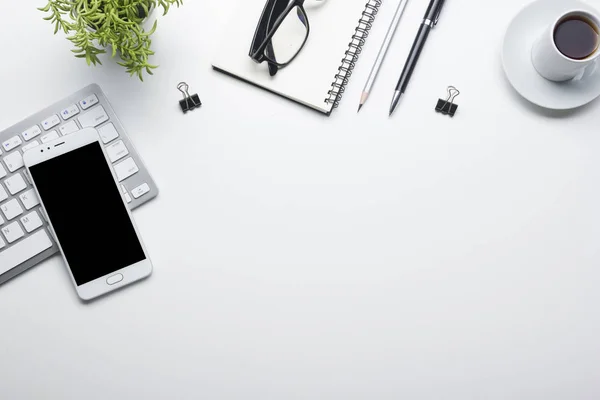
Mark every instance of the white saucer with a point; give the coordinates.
(523, 31)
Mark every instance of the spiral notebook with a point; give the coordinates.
(318, 77)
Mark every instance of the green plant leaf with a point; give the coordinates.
(94, 25)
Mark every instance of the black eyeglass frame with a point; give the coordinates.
(258, 53)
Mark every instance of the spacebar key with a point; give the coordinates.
(24, 250)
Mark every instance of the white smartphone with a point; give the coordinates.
(87, 213)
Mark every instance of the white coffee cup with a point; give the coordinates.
(550, 62)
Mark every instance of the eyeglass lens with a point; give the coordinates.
(289, 38)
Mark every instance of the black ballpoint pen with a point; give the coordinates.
(430, 20)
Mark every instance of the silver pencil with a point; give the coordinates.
(382, 52)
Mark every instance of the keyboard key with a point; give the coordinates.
(14, 161)
(88, 101)
(50, 122)
(125, 169)
(13, 232)
(24, 250)
(2, 172)
(108, 133)
(31, 133)
(2, 244)
(140, 190)
(49, 136)
(123, 189)
(116, 151)
(11, 209)
(12, 143)
(31, 222)
(30, 146)
(69, 112)
(127, 198)
(1, 220)
(93, 118)
(68, 128)
(15, 184)
(29, 199)
(3, 194)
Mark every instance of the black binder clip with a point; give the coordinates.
(188, 103)
(447, 107)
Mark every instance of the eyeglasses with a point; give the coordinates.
(281, 33)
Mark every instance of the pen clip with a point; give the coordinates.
(439, 11)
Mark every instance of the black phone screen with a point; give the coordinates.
(87, 212)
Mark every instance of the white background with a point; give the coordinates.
(304, 257)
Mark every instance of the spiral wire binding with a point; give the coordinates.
(338, 86)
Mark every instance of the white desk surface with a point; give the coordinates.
(304, 257)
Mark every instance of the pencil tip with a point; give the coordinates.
(359, 107)
(363, 99)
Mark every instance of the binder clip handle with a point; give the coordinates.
(189, 102)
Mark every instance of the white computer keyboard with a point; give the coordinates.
(25, 238)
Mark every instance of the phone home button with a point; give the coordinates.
(111, 280)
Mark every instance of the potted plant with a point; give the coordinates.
(95, 25)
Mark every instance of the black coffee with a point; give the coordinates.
(576, 37)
